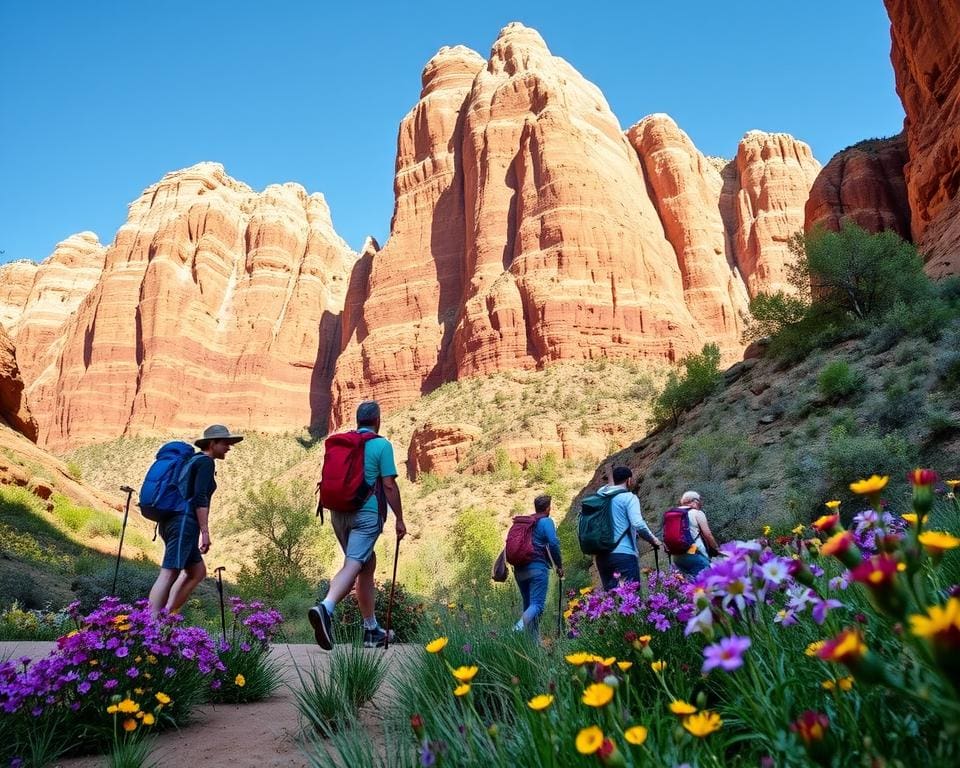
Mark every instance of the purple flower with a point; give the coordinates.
(122, 652)
(109, 685)
(727, 654)
(133, 672)
(215, 685)
(84, 687)
(822, 607)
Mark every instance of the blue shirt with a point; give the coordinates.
(544, 537)
(625, 510)
(378, 462)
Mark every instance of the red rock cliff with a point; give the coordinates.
(13, 409)
(214, 305)
(926, 61)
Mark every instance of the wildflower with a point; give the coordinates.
(728, 654)
(842, 546)
(682, 708)
(911, 517)
(624, 665)
(112, 709)
(589, 740)
(239, 681)
(658, 666)
(799, 529)
(938, 542)
(941, 625)
(833, 505)
(636, 735)
(879, 573)
(766, 530)
(586, 590)
(162, 697)
(846, 647)
(597, 695)
(843, 684)
(129, 724)
(822, 607)
(128, 706)
(580, 658)
(811, 727)
(827, 523)
(541, 702)
(702, 724)
(464, 674)
(462, 690)
(643, 641)
(873, 485)
(435, 646)
(776, 570)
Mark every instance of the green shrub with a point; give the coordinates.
(848, 458)
(133, 583)
(700, 378)
(543, 471)
(74, 470)
(474, 542)
(838, 381)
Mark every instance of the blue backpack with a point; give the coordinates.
(161, 496)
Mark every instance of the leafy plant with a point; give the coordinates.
(838, 380)
(681, 392)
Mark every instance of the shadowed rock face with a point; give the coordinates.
(13, 409)
(529, 228)
(863, 184)
(926, 61)
(214, 304)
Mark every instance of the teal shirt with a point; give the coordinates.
(377, 462)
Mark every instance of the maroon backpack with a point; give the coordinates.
(676, 531)
(520, 550)
(342, 486)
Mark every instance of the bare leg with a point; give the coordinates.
(160, 591)
(365, 588)
(342, 583)
(193, 575)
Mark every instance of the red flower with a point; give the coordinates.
(922, 477)
(811, 726)
(606, 749)
(877, 573)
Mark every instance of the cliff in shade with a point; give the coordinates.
(926, 61)
(864, 184)
(214, 304)
(529, 228)
(13, 409)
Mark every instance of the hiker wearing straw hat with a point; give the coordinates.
(186, 536)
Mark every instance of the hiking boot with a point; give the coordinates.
(376, 638)
(322, 627)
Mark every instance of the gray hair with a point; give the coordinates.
(690, 496)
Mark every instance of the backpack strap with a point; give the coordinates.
(625, 530)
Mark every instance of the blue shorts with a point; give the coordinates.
(181, 535)
(357, 532)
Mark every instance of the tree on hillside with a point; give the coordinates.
(682, 391)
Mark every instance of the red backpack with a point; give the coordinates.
(676, 531)
(342, 486)
(519, 549)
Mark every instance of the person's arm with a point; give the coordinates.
(202, 491)
(549, 531)
(706, 532)
(392, 491)
(638, 524)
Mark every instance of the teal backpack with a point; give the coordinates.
(595, 524)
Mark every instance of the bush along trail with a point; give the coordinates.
(835, 644)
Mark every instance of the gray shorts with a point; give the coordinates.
(357, 532)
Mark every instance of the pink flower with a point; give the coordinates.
(727, 654)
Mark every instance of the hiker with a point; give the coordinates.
(358, 532)
(183, 567)
(622, 563)
(533, 577)
(697, 542)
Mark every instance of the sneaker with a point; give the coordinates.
(518, 627)
(376, 638)
(322, 628)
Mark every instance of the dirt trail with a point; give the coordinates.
(262, 735)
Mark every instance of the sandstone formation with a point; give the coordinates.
(16, 280)
(439, 448)
(60, 283)
(215, 304)
(529, 229)
(926, 62)
(863, 184)
(13, 409)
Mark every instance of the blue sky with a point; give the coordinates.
(100, 99)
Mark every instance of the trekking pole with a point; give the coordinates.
(559, 606)
(393, 586)
(116, 570)
(223, 617)
(656, 557)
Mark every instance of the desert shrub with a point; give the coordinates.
(900, 406)
(701, 377)
(474, 542)
(19, 622)
(503, 468)
(715, 457)
(428, 482)
(848, 457)
(405, 618)
(133, 583)
(249, 673)
(74, 470)
(544, 470)
(838, 381)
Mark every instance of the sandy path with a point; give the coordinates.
(261, 735)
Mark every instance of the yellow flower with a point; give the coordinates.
(462, 690)
(873, 484)
(586, 590)
(597, 695)
(682, 708)
(589, 740)
(832, 505)
(138, 691)
(607, 662)
(240, 681)
(579, 658)
(151, 659)
(937, 542)
(828, 685)
(911, 517)
(568, 613)
(845, 683)
(624, 665)
(435, 646)
(940, 619)
(573, 604)
(635, 735)
(464, 674)
(124, 627)
(120, 618)
(128, 706)
(112, 709)
(658, 666)
(703, 723)
(540, 703)
(163, 698)
(149, 719)
(766, 530)
(129, 724)
(451, 606)
(799, 529)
